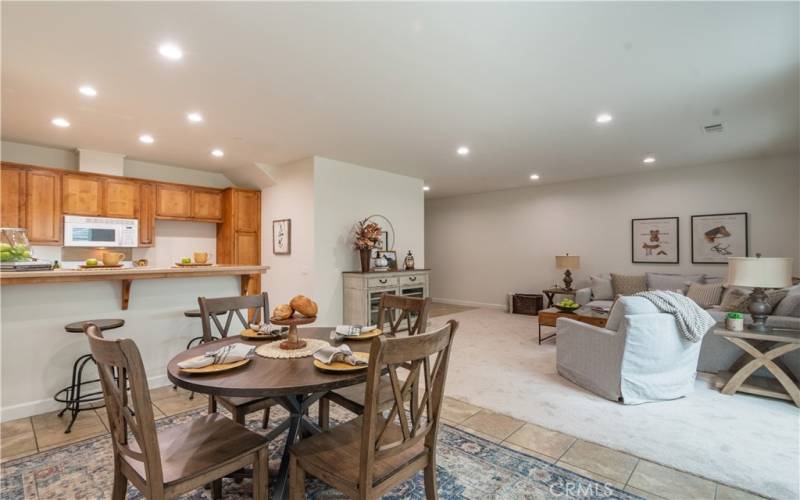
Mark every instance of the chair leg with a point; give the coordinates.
(431, 491)
(216, 489)
(297, 480)
(265, 419)
(120, 482)
(212, 405)
(324, 413)
(260, 475)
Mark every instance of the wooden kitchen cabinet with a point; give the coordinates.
(43, 215)
(248, 248)
(12, 197)
(83, 194)
(121, 198)
(239, 233)
(173, 201)
(207, 205)
(248, 210)
(147, 214)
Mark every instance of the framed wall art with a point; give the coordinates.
(719, 236)
(655, 240)
(282, 237)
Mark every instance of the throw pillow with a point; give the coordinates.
(789, 306)
(705, 295)
(673, 282)
(734, 300)
(601, 288)
(628, 285)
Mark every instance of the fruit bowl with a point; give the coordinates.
(568, 309)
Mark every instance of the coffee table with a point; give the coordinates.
(548, 317)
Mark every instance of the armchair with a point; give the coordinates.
(640, 355)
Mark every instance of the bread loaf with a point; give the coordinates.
(304, 306)
(283, 311)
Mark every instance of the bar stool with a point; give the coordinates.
(194, 313)
(74, 401)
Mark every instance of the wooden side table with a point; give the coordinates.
(760, 349)
(548, 317)
(552, 292)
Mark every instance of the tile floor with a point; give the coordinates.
(27, 436)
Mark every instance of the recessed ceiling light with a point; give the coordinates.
(217, 152)
(603, 118)
(170, 51)
(535, 177)
(194, 117)
(426, 188)
(87, 90)
(146, 138)
(649, 159)
(463, 150)
(60, 122)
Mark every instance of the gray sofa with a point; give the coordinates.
(716, 353)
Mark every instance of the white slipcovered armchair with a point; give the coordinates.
(640, 356)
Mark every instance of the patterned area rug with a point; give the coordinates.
(468, 467)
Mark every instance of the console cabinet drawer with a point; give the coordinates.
(381, 282)
(414, 279)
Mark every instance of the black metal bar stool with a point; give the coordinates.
(75, 401)
(194, 313)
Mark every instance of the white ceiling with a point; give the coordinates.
(399, 86)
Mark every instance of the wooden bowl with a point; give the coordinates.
(566, 309)
(294, 320)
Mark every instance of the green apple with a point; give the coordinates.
(91, 262)
(6, 256)
(186, 260)
(4, 247)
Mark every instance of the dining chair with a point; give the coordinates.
(176, 459)
(367, 456)
(211, 310)
(394, 311)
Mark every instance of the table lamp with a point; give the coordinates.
(566, 262)
(759, 273)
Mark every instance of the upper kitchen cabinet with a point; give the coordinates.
(147, 214)
(121, 198)
(239, 233)
(173, 201)
(247, 207)
(12, 197)
(207, 205)
(83, 194)
(43, 215)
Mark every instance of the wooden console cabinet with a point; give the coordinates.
(362, 292)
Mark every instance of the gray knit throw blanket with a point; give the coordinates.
(693, 321)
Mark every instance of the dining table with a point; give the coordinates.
(294, 383)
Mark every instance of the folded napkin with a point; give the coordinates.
(351, 330)
(265, 328)
(230, 353)
(343, 353)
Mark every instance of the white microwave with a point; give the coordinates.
(100, 232)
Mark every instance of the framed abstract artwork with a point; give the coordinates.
(719, 236)
(282, 237)
(655, 240)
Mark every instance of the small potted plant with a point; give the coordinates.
(734, 321)
(367, 237)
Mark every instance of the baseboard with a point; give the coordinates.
(30, 408)
(470, 303)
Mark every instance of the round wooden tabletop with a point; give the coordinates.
(266, 377)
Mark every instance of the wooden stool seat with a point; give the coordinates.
(102, 324)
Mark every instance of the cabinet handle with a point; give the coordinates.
(384, 281)
(412, 278)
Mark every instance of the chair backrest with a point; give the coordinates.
(428, 356)
(121, 370)
(210, 310)
(407, 307)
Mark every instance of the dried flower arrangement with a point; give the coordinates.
(367, 235)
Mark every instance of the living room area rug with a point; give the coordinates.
(745, 441)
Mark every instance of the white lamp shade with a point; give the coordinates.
(760, 272)
(568, 262)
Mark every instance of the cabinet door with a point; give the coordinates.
(173, 202)
(83, 195)
(147, 215)
(121, 198)
(207, 205)
(12, 197)
(43, 207)
(247, 248)
(247, 210)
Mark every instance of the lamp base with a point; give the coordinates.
(759, 310)
(567, 280)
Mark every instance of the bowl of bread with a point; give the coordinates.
(299, 311)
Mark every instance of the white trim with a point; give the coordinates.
(31, 408)
(470, 303)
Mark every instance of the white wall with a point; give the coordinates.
(482, 246)
(343, 194)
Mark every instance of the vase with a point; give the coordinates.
(365, 253)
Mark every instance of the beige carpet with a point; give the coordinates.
(746, 441)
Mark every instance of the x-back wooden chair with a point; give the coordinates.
(365, 457)
(211, 310)
(395, 312)
(177, 459)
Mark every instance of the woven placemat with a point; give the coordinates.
(273, 349)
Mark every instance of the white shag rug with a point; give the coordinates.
(749, 442)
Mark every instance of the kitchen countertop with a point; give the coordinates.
(125, 273)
